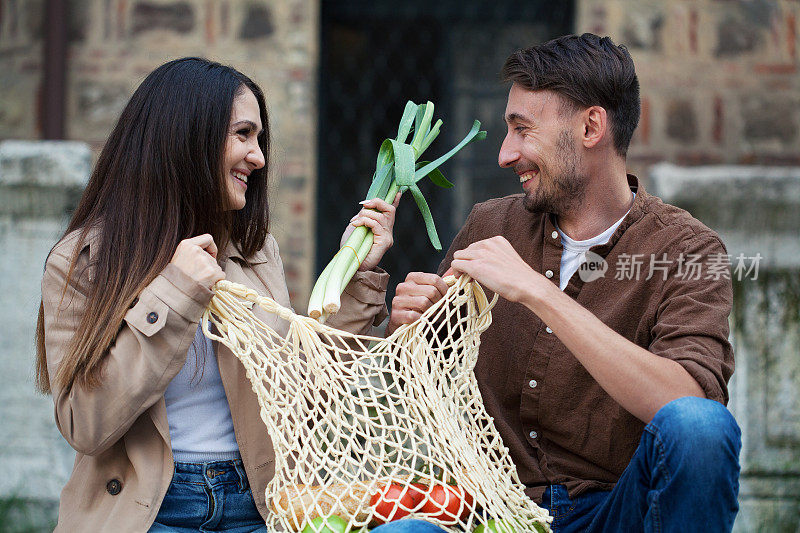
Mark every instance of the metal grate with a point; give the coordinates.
(376, 55)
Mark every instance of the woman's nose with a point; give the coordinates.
(256, 157)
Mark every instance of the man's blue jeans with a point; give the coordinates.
(684, 476)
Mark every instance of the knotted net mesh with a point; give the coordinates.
(372, 429)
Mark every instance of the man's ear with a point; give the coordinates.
(595, 126)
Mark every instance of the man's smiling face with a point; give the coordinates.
(540, 147)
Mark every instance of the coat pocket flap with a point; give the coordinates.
(148, 315)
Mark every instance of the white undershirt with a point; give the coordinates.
(200, 423)
(574, 253)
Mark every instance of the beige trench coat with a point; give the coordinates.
(124, 463)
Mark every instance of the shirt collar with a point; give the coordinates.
(636, 212)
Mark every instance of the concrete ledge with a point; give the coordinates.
(45, 163)
(42, 178)
(755, 209)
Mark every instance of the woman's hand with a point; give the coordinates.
(197, 258)
(378, 216)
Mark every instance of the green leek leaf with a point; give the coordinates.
(426, 216)
(436, 176)
(403, 164)
(407, 121)
(439, 180)
(431, 136)
(474, 134)
(423, 127)
(381, 181)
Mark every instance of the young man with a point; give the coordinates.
(607, 361)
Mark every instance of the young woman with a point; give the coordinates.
(165, 423)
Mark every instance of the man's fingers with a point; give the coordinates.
(425, 278)
(414, 303)
(403, 316)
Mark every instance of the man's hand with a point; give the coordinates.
(495, 264)
(416, 294)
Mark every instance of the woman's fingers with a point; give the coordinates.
(378, 216)
(196, 257)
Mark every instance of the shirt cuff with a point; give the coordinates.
(369, 287)
(705, 379)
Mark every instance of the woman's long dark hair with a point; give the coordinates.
(159, 179)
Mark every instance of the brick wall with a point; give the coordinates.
(719, 78)
(114, 44)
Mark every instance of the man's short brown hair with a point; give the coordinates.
(587, 70)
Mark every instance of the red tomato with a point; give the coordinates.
(447, 503)
(394, 501)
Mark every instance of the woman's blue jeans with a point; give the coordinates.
(211, 496)
(684, 476)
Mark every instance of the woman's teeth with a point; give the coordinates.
(239, 176)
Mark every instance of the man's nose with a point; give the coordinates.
(509, 153)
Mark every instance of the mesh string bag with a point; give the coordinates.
(372, 429)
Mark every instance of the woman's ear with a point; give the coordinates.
(595, 126)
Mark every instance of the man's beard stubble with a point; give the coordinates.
(565, 190)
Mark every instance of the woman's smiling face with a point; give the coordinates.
(242, 152)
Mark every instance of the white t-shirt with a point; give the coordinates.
(574, 253)
(200, 423)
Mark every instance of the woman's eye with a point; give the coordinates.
(242, 133)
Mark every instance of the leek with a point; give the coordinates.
(397, 169)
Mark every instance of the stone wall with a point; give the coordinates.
(720, 80)
(40, 183)
(756, 211)
(114, 44)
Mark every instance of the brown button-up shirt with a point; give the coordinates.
(560, 426)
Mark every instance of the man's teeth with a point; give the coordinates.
(239, 175)
(525, 177)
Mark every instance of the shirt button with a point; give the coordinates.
(533, 434)
(548, 330)
(152, 316)
(548, 273)
(532, 383)
(114, 487)
(554, 234)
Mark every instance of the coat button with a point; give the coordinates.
(114, 487)
(152, 316)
